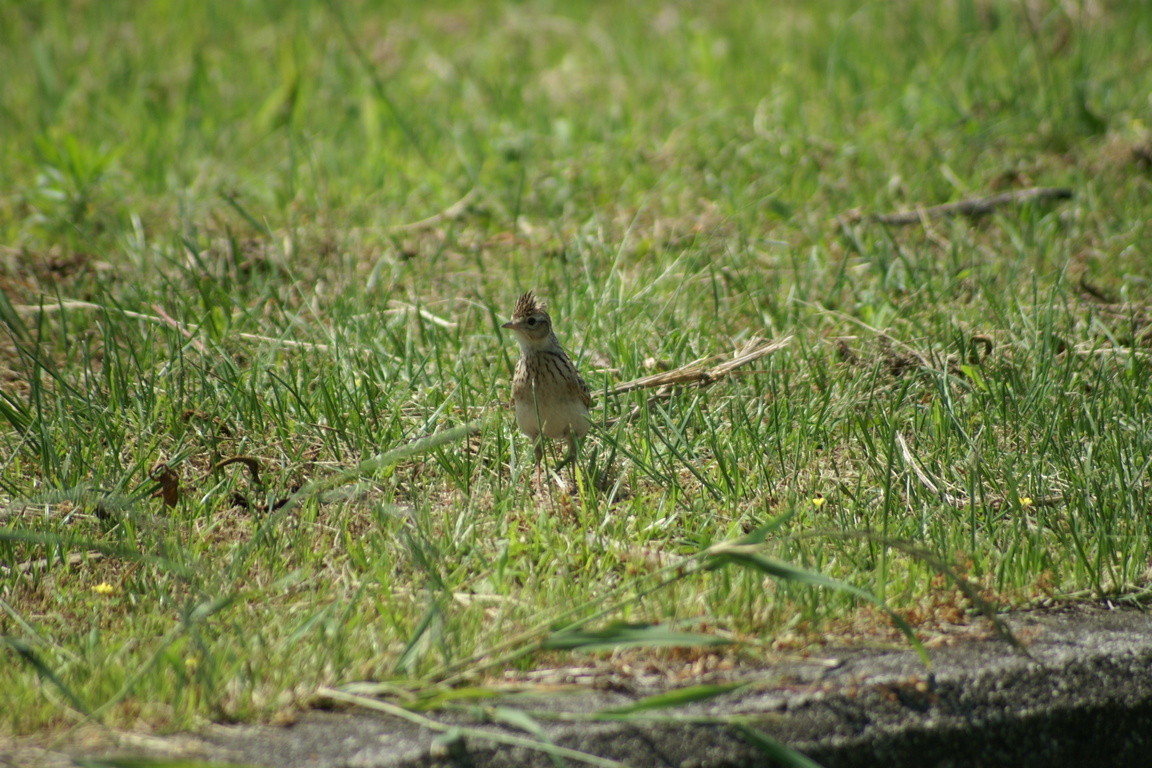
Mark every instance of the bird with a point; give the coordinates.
(549, 397)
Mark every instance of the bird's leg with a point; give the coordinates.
(539, 457)
(571, 451)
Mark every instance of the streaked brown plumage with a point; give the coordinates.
(550, 398)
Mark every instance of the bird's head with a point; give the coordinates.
(530, 322)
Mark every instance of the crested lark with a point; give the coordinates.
(548, 393)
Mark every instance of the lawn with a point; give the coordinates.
(254, 259)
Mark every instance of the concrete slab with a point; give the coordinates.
(1084, 698)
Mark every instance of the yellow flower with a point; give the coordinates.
(818, 500)
(104, 588)
(191, 663)
(1025, 501)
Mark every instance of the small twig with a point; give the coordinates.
(979, 206)
(881, 334)
(985, 342)
(251, 462)
(696, 373)
(169, 321)
(71, 304)
(401, 306)
(287, 342)
(451, 212)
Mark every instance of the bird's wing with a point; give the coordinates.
(585, 393)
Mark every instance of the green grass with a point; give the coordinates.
(207, 253)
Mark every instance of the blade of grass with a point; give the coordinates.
(669, 699)
(29, 657)
(471, 733)
(619, 635)
(773, 749)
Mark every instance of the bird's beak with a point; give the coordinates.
(511, 326)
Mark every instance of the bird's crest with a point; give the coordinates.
(527, 305)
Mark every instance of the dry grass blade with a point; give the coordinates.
(471, 733)
(73, 558)
(162, 318)
(402, 306)
(922, 476)
(960, 502)
(698, 373)
(173, 323)
(453, 211)
(979, 206)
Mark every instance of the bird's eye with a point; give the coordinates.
(531, 322)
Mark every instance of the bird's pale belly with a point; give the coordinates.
(558, 418)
